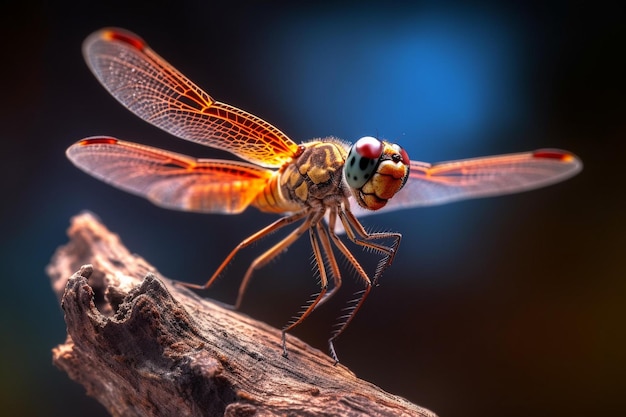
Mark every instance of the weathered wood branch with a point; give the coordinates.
(145, 347)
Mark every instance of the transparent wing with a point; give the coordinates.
(169, 179)
(155, 91)
(445, 182)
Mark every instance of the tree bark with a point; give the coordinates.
(145, 347)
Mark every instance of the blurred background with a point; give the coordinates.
(509, 306)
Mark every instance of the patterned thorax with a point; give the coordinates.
(315, 177)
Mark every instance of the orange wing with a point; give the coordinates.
(445, 182)
(169, 179)
(155, 91)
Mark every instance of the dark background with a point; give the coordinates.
(510, 306)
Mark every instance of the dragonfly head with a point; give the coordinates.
(375, 170)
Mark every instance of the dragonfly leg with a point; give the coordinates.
(331, 261)
(354, 305)
(316, 298)
(343, 321)
(363, 238)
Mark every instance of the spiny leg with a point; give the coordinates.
(345, 319)
(353, 307)
(278, 224)
(330, 257)
(310, 306)
(318, 236)
(351, 225)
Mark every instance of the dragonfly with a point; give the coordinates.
(320, 187)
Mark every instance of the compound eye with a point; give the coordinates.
(369, 147)
(362, 160)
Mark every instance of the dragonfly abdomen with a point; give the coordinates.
(271, 199)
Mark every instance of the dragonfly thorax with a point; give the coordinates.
(315, 177)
